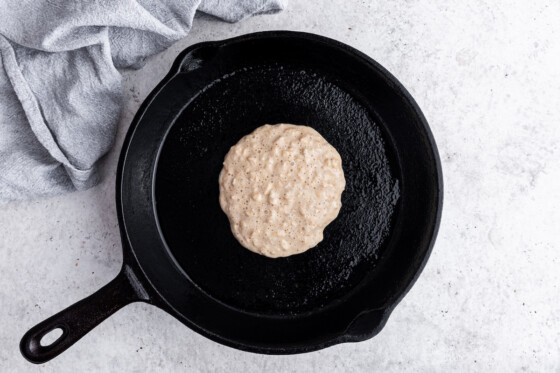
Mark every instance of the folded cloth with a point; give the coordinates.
(60, 88)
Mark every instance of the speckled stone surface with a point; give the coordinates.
(486, 74)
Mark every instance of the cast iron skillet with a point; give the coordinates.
(179, 253)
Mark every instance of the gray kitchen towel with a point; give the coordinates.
(60, 88)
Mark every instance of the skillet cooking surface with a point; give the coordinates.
(197, 231)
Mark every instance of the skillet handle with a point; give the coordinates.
(365, 326)
(194, 57)
(81, 317)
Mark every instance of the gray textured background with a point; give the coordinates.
(486, 75)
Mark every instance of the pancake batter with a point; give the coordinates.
(280, 187)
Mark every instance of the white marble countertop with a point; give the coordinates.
(487, 76)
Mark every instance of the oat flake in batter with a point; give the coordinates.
(280, 187)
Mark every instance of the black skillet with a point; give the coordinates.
(179, 253)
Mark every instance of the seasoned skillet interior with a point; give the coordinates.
(196, 230)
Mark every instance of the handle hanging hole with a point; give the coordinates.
(51, 337)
